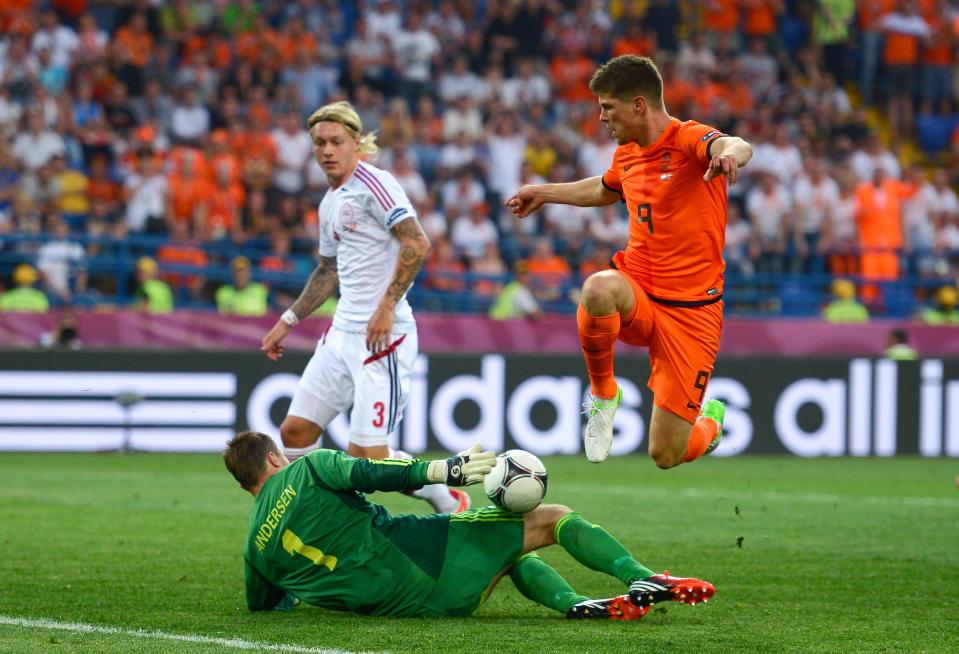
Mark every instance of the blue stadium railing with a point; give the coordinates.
(758, 294)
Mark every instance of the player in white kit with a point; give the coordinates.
(372, 245)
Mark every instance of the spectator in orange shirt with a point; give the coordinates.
(721, 18)
(187, 201)
(224, 214)
(570, 71)
(258, 106)
(135, 41)
(294, 39)
(15, 17)
(761, 21)
(259, 44)
(707, 94)
(103, 187)
(182, 156)
(870, 36)
(881, 233)
(181, 250)
(222, 157)
(547, 270)
(258, 156)
(736, 91)
(635, 40)
(598, 260)
(904, 29)
(678, 91)
(938, 62)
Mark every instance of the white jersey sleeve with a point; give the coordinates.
(386, 201)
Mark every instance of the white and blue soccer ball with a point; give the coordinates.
(517, 482)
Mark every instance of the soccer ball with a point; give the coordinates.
(517, 482)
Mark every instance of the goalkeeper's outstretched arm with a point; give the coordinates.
(338, 471)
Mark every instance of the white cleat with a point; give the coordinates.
(598, 435)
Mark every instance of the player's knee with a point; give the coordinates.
(664, 457)
(599, 295)
(297, 434)
(555, 511)
(540, 527)
(547, 515)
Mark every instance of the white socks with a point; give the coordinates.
(399, 454)
(294, 453)
(438, 495)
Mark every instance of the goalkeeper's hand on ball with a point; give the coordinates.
(466, 468)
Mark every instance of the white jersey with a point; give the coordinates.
(355, 221)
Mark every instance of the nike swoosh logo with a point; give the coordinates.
(692, 405)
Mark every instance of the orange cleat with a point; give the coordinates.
(663, 588)
(614, 608)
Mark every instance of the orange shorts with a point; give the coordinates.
(682, 341)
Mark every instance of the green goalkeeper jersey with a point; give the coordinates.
(315, 537)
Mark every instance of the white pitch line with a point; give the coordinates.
(234, 643)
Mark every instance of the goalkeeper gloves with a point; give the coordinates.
(467, 467)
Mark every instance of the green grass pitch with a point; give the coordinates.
(825, 555)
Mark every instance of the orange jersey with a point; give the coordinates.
(879, 213)
(760, 18)
(137, 46)
(187, 194)
(722, 15)
(938, 51)
(641, 46)
(184, 155)
(677, 222)
(550, 272)
(226, 208)
(574, 75)
(900, 49)
(224, 161)
(181, 254)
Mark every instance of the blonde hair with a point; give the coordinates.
(342, 112)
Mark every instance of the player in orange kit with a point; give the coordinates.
(667, 286)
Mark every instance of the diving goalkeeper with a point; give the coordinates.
(313, 536)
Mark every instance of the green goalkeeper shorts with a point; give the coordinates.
(482, 543)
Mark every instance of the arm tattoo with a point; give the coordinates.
(414, 246)
(320, 286)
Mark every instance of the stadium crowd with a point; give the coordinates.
(150, 144)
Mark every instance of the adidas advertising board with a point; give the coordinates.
(194, 402)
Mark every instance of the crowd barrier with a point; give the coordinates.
(453, 333)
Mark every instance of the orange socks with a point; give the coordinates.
(701, 435)
(598, 335)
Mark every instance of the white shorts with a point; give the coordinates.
(343, 373)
